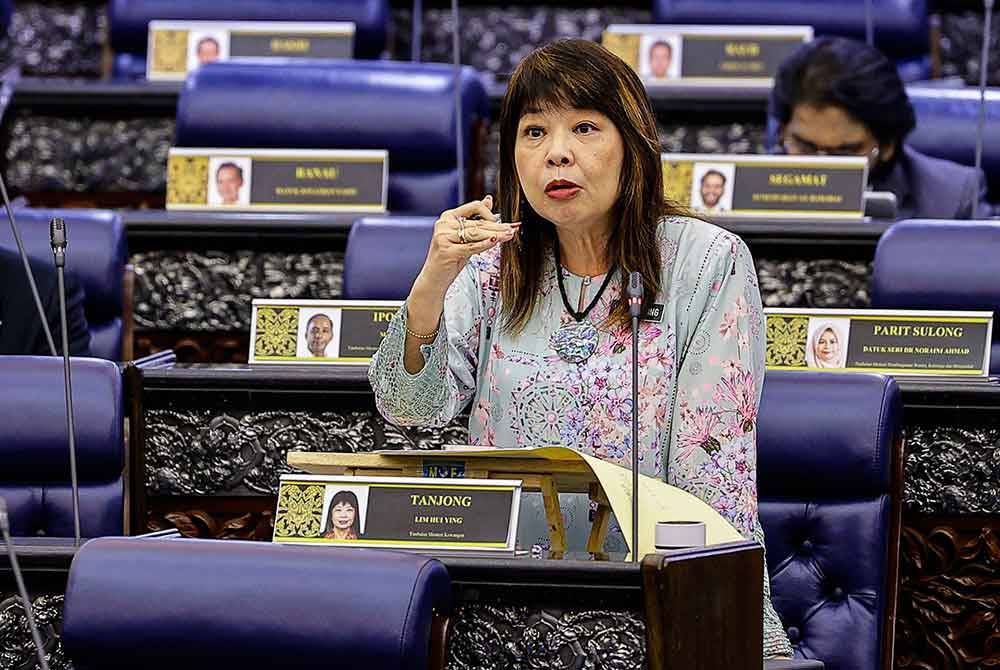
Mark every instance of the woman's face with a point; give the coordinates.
(827, 346)
(569, 163)
(342, 515)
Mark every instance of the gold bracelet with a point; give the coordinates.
(422, 337)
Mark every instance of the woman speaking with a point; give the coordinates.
(527, 323)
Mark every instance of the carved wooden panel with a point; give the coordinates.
(949, 599)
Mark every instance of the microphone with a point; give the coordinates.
(57, 237)
(22, 591)
(635, 310)
(984, 61)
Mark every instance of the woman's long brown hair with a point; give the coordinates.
(580, 74)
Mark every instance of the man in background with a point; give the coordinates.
(228, 182)
(713, 188)
(661, 55)
(207, 50)
(20, 328)
(319, 333)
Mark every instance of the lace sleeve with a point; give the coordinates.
(438, 392)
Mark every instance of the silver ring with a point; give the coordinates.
(461, 230)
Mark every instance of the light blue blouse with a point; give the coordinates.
(700, 372)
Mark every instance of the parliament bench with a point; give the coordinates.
(97, 255)
(129, 22)
(408, 109)
(940, 265)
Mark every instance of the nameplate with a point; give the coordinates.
(670, 54)
(898, 342)
(412, 513)
(767, 186)
(177, 47)
(318, 331)
(288, 180)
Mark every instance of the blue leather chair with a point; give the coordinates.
(168, 603)
(830, 503)
(129, 22)
(929, 264)
(97, 254)
(384, 256)
(947, 120)
(901, 26)
(405, 108)
(34, 450)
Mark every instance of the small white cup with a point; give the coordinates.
(672, 535)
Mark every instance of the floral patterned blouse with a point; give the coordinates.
(700, 372)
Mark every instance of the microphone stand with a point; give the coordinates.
(984, 61)
(869, 24)
(57, 237)
(459, 126)
(21, 589)
(635, 288)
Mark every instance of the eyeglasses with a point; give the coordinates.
(795, 146)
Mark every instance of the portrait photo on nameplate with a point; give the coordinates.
(285, 180)
(898, 342)
(665, 55)
(773, 187)
(318, 332)
(410, 513)
(178, 47)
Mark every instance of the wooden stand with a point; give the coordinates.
(537, 474)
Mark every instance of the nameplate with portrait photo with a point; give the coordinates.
(409, 513)
(286, 180)
(665, 55)
(897, 342)
(795, 187)
(178, 47)
(316, 332)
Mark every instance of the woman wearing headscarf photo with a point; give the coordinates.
(826, 347)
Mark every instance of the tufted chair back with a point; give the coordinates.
(384, 256)
(947, 120)
(829, 480)
(129, 22)
(162, 604)
(405, 108)
(34, 452)
(97, 254)
(932, 264)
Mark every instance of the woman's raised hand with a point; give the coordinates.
(459, 234)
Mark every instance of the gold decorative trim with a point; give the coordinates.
(786, 341)
(169, 52)
(276, 331)
(187, 180)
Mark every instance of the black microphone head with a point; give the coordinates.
(57, 232)
(635, 285)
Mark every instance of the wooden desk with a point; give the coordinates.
(536, 474)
